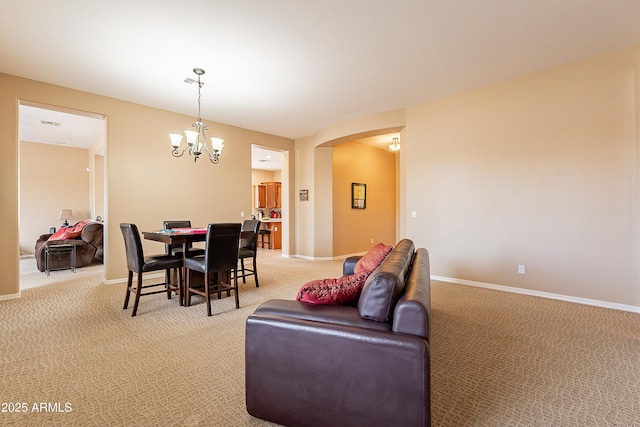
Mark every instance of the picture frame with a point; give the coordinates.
(358, 195)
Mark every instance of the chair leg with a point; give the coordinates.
(207, 295)
(235, 287)
(180, 286)
(129, 290)
(244, 277)
(138, 292)
(167, 279)
(255, 271)
(187, 293)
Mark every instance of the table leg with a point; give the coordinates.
(185, 290)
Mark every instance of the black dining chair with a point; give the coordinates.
(138, 263)
(265, 237)
(177, 250)
(249, 249)
(220, 261)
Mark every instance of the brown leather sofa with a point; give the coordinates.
(88, 247)
(330, 365)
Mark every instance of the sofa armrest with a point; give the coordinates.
(308, 373)
(349, 264)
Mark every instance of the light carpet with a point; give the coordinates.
(498, 359)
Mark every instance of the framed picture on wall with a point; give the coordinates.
(358, 195)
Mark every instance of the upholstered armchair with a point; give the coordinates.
(85, 235)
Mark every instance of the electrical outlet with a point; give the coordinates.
(521, 269)
(414, 214)
(372, 240)
(242, 214)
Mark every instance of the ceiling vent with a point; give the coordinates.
(48, 123)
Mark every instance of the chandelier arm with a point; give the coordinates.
(176, 151)
(215, 159)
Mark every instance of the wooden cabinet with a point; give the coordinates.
(273, 194)
(275, 226)
(259, 196)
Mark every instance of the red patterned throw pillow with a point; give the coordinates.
(372, 259)
(65, 234)
(339, 291)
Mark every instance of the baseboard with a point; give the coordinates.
(124, 279)
(10, 296)
(326, 258)
(578, 300)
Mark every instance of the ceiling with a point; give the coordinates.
(291, 68)
(265, 159)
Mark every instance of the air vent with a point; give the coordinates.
(48, 123)
(191, 81)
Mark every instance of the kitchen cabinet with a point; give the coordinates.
(259, 196)
(273, 195)
(275, 226)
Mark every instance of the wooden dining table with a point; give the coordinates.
(184, 237)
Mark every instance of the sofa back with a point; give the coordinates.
(385, 285)
(411, 314)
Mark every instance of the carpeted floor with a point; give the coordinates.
(498, 359)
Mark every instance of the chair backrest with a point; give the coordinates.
(132, 246)
(253, 226)
(168, 225)
(222, 246)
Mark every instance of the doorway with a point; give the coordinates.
(61, 167)
(269, 169)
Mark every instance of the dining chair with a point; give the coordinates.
(138, 263)
(177, 250)
(249, 248)
(265, 237)
(220, 260)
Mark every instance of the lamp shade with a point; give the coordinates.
(176, 139)
(395, 145)
(66, 214)
(217, 144)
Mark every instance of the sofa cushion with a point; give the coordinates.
(384, 286)
(343, 290)
(372, 259)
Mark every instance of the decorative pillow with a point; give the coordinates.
(372, 259)
(65, 234)
(343, 290)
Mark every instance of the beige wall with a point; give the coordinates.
(540, 171)
(314, 221)
(354, 229)
(144, 183)
(52, 178)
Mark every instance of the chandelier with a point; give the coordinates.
(196, 139)
(395, 144)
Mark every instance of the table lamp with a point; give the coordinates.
(66, 214)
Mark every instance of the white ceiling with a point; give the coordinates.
(265, 159)
(47, 125)
(291, 67)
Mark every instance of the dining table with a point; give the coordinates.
(175, 237)
(184, 237)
